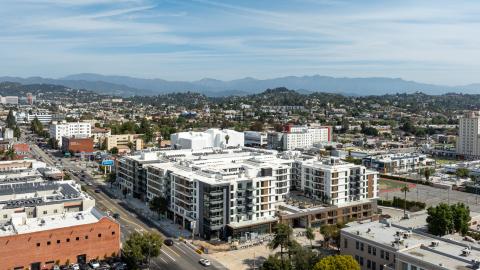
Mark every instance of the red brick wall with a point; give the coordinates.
(78, 145)
(22, 250)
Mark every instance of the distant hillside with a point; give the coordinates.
(130, 86)
(47, 91)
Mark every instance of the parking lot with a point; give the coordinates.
(433, 196)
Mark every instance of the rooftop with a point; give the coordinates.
(20, 224)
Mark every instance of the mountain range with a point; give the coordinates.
(130, 86)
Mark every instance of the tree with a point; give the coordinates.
(405, 189)
(104, 145)
(111, 178)
(130, 145)
(114, 151)
(17, 132)
(331, 232)
(257, 126)
(227, 138)
(274, 263)
(11, 122)
(461, 217)
(462, 172)
(281, 238)
(440, 219)
(427, 172)
(309, 233)
(140, 248)
(337, 262)
(10, 154)
(159, 205)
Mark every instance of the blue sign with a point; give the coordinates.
(107, 162)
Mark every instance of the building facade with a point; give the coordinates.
(79, 129)
(210, 138)
(468, 142)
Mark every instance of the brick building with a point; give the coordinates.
(77, 145)
(40, 243)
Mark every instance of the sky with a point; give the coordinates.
(427, 41)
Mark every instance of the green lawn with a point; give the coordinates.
(389, 184)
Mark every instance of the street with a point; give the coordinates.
(178, 256)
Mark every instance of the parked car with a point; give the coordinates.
(75, 266)
(204, 262)
(116, 215)
(94, 264)
(168, 242)
(119, 266)
(56, 267)
(97, 190)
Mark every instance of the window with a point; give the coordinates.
(387, 255)
(374, 265)
(77, 238)
(55, 211)
(404, 266)
(68, 239)
(369, 248)
(5, 216)
(113, 232)
(357, 245)
(86, 237)
(357, 258)
(58, 241)
(381, 266)
(345, 243)
(369, 264)
(374, 251)
(99, 235)
(382, 254)
(48, 243)
(45, 212)
(361, 261)
(38, 244)
(412, 267)
(361, 246)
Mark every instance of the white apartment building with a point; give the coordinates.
(213, 137)
(25, 118)
(334, 181)
(9, 100)
(79, 129)
(255, 138)
(303, 136)
(468, 142)
(221, 191)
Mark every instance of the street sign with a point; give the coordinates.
(107, 162)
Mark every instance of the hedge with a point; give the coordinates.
(399, 203)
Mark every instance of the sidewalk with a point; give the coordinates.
(166, 226)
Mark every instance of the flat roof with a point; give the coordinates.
(20, 224)
(409, 238)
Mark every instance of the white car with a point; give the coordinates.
(75, 266)
(204, 262)
(94, 264)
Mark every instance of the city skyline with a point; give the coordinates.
(430, 42)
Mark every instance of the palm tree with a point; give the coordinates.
(405, 189)
(227, 137)
(310, 235)
(281, 238)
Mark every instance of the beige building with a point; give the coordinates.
(123, 141)
(405, 245)
(468, 143)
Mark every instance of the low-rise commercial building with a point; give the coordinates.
(404, 245)
(256, 139)
(64, 129)
(210, 138)
(124, 141)
(77, 145)
(397, 163)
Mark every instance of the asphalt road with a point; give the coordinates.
(179, 256)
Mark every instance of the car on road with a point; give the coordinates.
(94, 264)
(168, 242)
(116, 215)
(204, 262)
(119, 266)
(97, 190)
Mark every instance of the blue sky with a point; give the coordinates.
(428, 41)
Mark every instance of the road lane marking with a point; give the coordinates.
(170, 249)
(163, 260)
(166, 254)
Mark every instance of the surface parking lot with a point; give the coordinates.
(433, 196)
